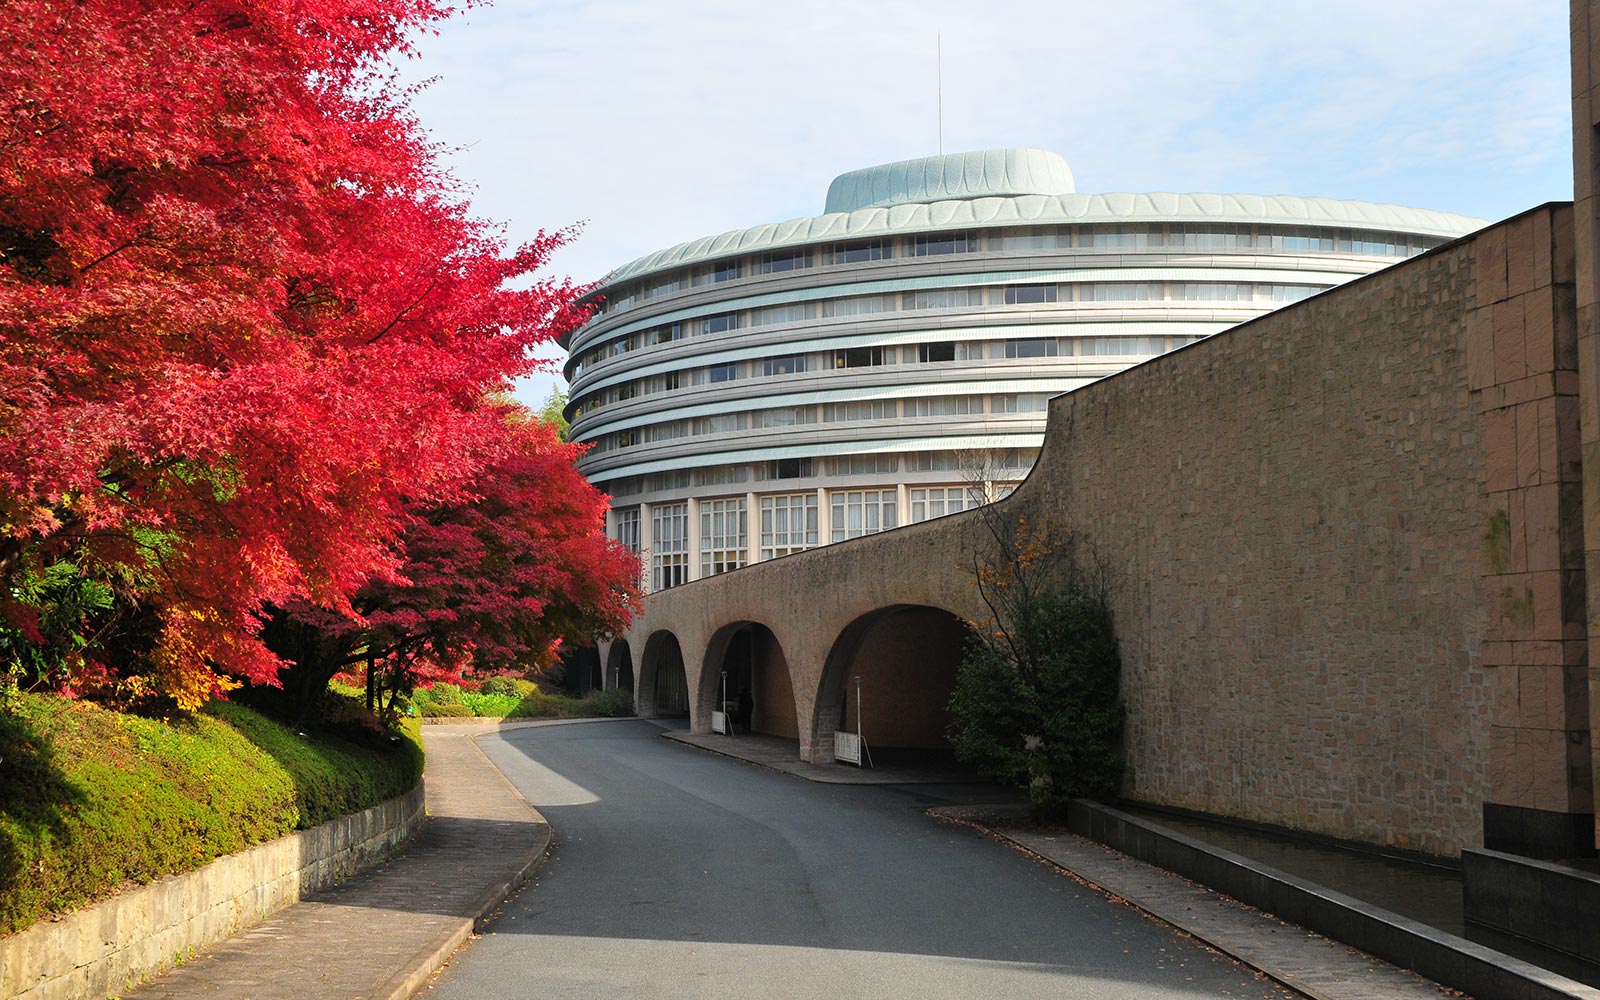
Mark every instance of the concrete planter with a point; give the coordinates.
(102, 949)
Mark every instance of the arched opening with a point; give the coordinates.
(580, 667)
(619, 667)
(663, 686)
(905, 657)
(753, 661)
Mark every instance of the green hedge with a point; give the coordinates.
(91, 799)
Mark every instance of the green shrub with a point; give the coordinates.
(442, 694)
(490, 705)
(1036, 700)
(90, 798)
(596, 704)
(515, 687)
(434, 710)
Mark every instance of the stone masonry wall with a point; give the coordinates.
(104, 949)
(1296, 518)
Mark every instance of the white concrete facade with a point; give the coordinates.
(782, 387)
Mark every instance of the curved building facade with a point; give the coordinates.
(785, 386)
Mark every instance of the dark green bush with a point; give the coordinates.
(90, 798)
(1036, 698)
(511, 687)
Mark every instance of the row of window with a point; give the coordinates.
(1032, 239)
(871, 357)
(788, 524)
(1004, 463)
(792, 416)
(999, 296)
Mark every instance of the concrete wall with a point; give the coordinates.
(102, 950)
(1345, 541)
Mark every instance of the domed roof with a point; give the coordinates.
(985, 174)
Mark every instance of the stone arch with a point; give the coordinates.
(753, 656)
(619, 666)
(906, 656)
(663, 688)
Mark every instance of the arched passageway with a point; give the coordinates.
(905, 658)
(581, 665)
(663, 687)
(752, 658)
(619, 667)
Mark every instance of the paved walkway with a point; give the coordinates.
(782, 754)
(1316, 966)
(380, 935)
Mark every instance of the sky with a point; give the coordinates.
(654, 122)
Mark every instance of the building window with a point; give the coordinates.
(1209, 291)
(928, 353)
(862, 250)
(784, 468)
(1018, 295)
(1024, 402)
(944, 406)
(787, 416)
(724, 535)
(942, 298)
(863, 465)
(669, 545)
(943, 243)
(789, 364)
(722, 373)
(664, 334)
(793, 312)
(1015, 240)
(1122, 291)
(862, 512)
(721, 475)
(858, 305)
(725, 270)
(788, 524)
(785, 260)
(1042, 347)
(937, 501)
(720, 323)
(861, 409)
(722, 423)
(628, 529)
(863, 357)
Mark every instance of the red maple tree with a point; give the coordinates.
(245, 319)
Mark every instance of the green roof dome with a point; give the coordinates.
(986, 174)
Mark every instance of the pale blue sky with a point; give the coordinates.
(658, 122)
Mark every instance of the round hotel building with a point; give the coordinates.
(789, 385)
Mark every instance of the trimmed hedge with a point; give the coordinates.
(92, 799)
(595, 704)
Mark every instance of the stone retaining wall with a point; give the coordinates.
(102, 950)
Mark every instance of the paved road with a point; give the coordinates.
(678, 873)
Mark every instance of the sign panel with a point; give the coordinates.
(847, 747)
(719, 722)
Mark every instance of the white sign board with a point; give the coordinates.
(847, 747)
(719, 722)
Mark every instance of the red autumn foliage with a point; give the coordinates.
(245, 321)
(487, 584)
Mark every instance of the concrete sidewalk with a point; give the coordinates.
(380, 935)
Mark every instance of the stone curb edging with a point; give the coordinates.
(96, 950)
(1442, 957)
(406, 982)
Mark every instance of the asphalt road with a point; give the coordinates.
(678, 873)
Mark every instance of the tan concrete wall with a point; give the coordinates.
(1343, 546)
(104, 949)
(1586, 277)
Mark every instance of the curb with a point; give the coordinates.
(404, 985)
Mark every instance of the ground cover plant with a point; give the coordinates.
(450, 701)
(93, 799)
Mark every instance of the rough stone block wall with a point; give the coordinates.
(104, 949)
(1295, 520)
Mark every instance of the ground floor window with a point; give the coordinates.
(937, 501)
(863, 512)
(669, 545)
(788, 524)
(724, 535)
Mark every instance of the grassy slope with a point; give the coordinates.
(92, 799)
